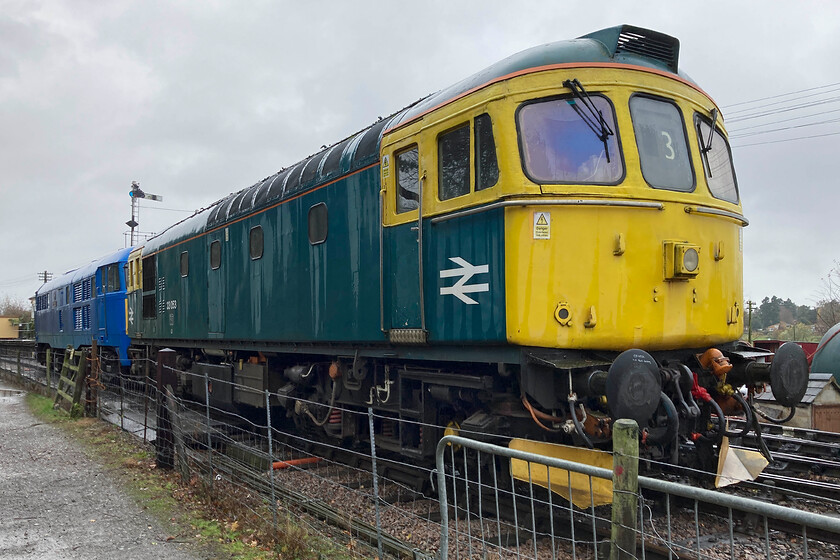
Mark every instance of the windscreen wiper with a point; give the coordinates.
(706, 146)
(708, 143)
(590, 114)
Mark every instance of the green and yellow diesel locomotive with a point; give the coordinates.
(543, 247)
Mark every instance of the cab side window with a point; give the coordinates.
(215, 255)
(256, 243)
(113, 278)
(717, 161)
(318, 224)
(486, 165)
(185, 264)
(454, 163)
(408, 180)
(462, 152)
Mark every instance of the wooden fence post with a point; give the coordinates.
(76, 408)
(625, 489)
(164, 441)
(49, 371)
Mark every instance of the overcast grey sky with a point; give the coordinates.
(199, 99)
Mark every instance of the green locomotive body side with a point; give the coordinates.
(328, 292)
(495, 258)
(291, 290)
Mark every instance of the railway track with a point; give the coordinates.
(405, 494)
(811, 442)
(801, 487)
(512, 526)
(803, 464)
(797, 450)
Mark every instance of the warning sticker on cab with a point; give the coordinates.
(542, 225)
(386, 166)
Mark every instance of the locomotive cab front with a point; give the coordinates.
(607, 246)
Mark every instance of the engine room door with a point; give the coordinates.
(403, 314)
(216, 283)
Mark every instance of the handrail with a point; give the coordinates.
(716, 212)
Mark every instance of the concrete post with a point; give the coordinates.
(625, 489)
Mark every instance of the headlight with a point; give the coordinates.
(691, 260)
(682, 261)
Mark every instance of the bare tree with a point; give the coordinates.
(828, 307)
(18, 308)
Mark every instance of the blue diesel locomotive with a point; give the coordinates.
(83, 305)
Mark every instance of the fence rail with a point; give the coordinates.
(478, 509)
(663, 490)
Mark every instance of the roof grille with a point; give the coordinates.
(643, 42)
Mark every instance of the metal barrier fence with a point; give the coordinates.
(262, 463)
(18, 359)
(667, 524)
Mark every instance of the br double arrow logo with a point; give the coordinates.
(460, 289)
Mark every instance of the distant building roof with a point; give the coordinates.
(816, 383)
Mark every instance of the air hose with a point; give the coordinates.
(748, 418)
(667, 436)
(317, 422)
(578, 426)
(779, 420)
(721, 426)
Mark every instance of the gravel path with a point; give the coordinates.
(56, 503)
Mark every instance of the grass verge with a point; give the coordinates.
(221, 522)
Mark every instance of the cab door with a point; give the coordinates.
(402, 268)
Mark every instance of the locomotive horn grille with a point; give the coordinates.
(639, 42)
